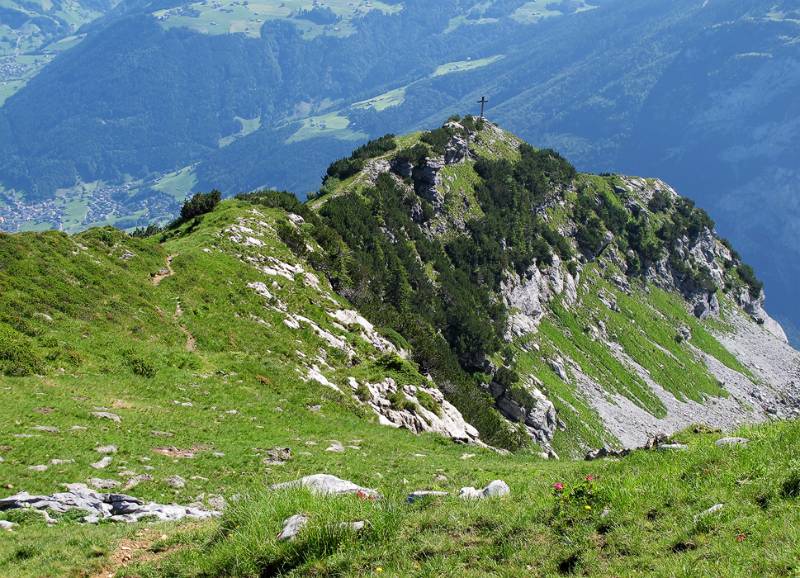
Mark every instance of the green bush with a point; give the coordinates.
(791, 485)
(18, 357)
(199, 204)
(140, 366)
(399, 402)
(426, 400)
(748, 276)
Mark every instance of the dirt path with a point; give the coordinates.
(130, 550)
(191, 342)
(165, 272)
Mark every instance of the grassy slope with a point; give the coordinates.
(642, 517)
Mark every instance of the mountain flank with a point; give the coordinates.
(455, 307)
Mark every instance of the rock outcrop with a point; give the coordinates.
(113, 507)
(415, 408)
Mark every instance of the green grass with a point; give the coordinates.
(642, 518)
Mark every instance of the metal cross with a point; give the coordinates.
(483, 102)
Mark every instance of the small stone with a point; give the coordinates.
(6, 525)
(712, 510)
(731, 442)
(136, 480)
(78, 428)
(467, 456)
(110, 449)
(335, 447)
(102, 484)
(278, 456)
(107, 415)
(673, 447)
(161, 434)
(441, 478)
(495, 489)
(103, 463)
(40, 468)
(423, 494)
(176, 482)
(292, 527)
(46, 429)
(353, 526)
(60, 462)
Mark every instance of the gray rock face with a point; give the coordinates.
(495, 489)
(292, 527)
(428, 180)
(527, 296)
(537, 413)
(328, 485)
(114, 507)
(448, 421)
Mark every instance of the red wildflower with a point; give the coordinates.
(591, 478)
(741, 538)
(362, 495)
(558, 487)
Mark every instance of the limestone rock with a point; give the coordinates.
(722, 442)
(176, 482)
(328, 485)
(102, 464)
(292, 527)
(423, 494)
(109, 449)
(495, 489)
(115, 507)
(448, 421)
(107, 415)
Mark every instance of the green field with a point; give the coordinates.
(384, 101)
(332, 125)
(178, 184)
(465, 65)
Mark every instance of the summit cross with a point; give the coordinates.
(482, 102)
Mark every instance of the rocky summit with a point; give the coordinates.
(403, 374)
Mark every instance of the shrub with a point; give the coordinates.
(17, 355)
(293, 238)
(363, 393)
(660, 202)
(747, 275)
(199, 204)
(791, 485)
(399, 402)
(140, 366)
(426, 400)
